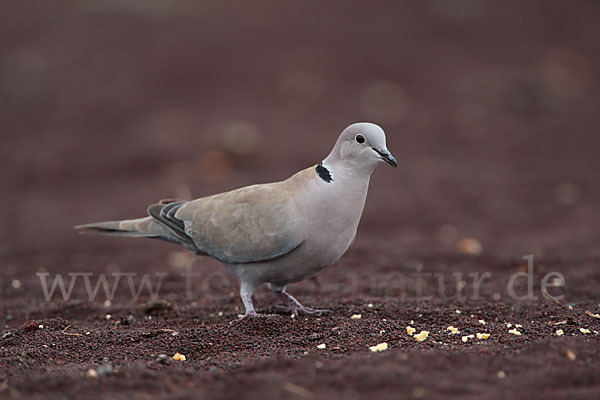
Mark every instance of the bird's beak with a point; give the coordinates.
(386, 156)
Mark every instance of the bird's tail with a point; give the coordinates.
(140, 227)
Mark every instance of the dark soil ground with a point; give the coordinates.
(491, 111)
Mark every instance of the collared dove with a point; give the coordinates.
(277, 233)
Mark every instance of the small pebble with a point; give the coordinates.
(30, 326)
(105, 370)
(162, 359)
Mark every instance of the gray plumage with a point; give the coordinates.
(276, 233)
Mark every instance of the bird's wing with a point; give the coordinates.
(251, 224)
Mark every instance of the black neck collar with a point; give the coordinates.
(324, 173)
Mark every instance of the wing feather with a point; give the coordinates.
(251, 224)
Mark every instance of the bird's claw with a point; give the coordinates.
(296, 309)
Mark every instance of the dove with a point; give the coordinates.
(274, 233)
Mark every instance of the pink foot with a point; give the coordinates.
(254, 315)
(291, 305)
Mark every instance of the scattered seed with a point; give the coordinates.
(514, 331)
(570, 355)
(410, 330)
(482, 322)
(380, 347)
(421, 336)
(370, 305)
(559, 332)
(584, 330)
(591, 314)
(466, 338)
(453, 330)
(356, 316)
(179, 357)
(469, 246)
(91, 373)
(483, 336)
(322, 346)
(501, 374)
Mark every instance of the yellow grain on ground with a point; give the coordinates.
(380, 347)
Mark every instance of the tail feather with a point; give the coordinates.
(140, 227)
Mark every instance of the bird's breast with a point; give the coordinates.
(333, 211)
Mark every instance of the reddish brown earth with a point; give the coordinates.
(491, 111)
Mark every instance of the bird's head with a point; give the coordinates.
(362, 145)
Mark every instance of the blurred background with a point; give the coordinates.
(491, 108)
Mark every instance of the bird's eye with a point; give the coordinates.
(360, 139)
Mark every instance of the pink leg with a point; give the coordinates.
(246, 291)
(248, 305)
(290, 304)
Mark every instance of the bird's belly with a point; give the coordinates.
(304, 262)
